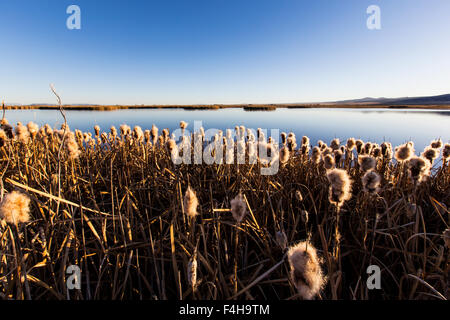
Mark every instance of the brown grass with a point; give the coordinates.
(119, 217)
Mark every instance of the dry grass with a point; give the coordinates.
(116, 211)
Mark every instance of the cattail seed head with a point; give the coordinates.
(192, 271)
(446, 152)
(404, 152)
(359, 145)
(3, 138)
(328, 162)
(22, 132)
(351, 144)
(367, 163)
(340, 186)
(33, 129)
(371, 182)
(97, 130)
(430, 154)
(305, 270)
(335, 144)
(190, 203)
(238, 208)
(436, 144)
(15, 208)
(419, 169)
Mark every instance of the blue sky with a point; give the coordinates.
(222, 51)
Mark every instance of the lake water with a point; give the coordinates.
(376, 125)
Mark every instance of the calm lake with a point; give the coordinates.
(376, 125)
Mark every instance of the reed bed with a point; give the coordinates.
(140, 227)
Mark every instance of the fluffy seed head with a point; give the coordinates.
(359, 145)
(190, 203)
(430, 154)
(328, 162)
(33, 129)
(315, 155)
(340, 186)
(436, 144)
(15, 208)
(366, 163)
(404, 152)
(351, 144)
(371, 182)
(305, 270)
(22, 133)
(335, 144)
(419, 169)
(446, 152)
(97, 130)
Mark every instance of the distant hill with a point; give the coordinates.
(443, 99)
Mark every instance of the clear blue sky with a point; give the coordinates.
(222, 51)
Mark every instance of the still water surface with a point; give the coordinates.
(376, 125)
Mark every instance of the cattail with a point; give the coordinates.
(351, 144)
(71, 146)
(166, 134)
(284, 155)
(33, 129)
(430, 154)
(97, 130)
(104, 137)
(15, 208)
(298, 195)
(183, 125)
(190, 203)
(154, 134)
(371, 182)
(283, 138)
(326, 151)
(404, 152)
(238, 208)
(3, 138)
(386, 150)
(138, 134)
(340, 186)
(359, 145)
(305, 141)
(376, 152)
(446, 236)
(338, 156)
(147, 136)
(367, 163)
(291, 142)
(419, 169)
(192, 271)
(315, 155)
(305, 270)
(368, 148)
(335, 144)
(320, 144)
(328, 162)
(436, 144)
(125, 129)
(113, 132)
(22, 132)
(8, 129)
(446, 152)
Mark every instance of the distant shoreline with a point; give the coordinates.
(247, 107)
